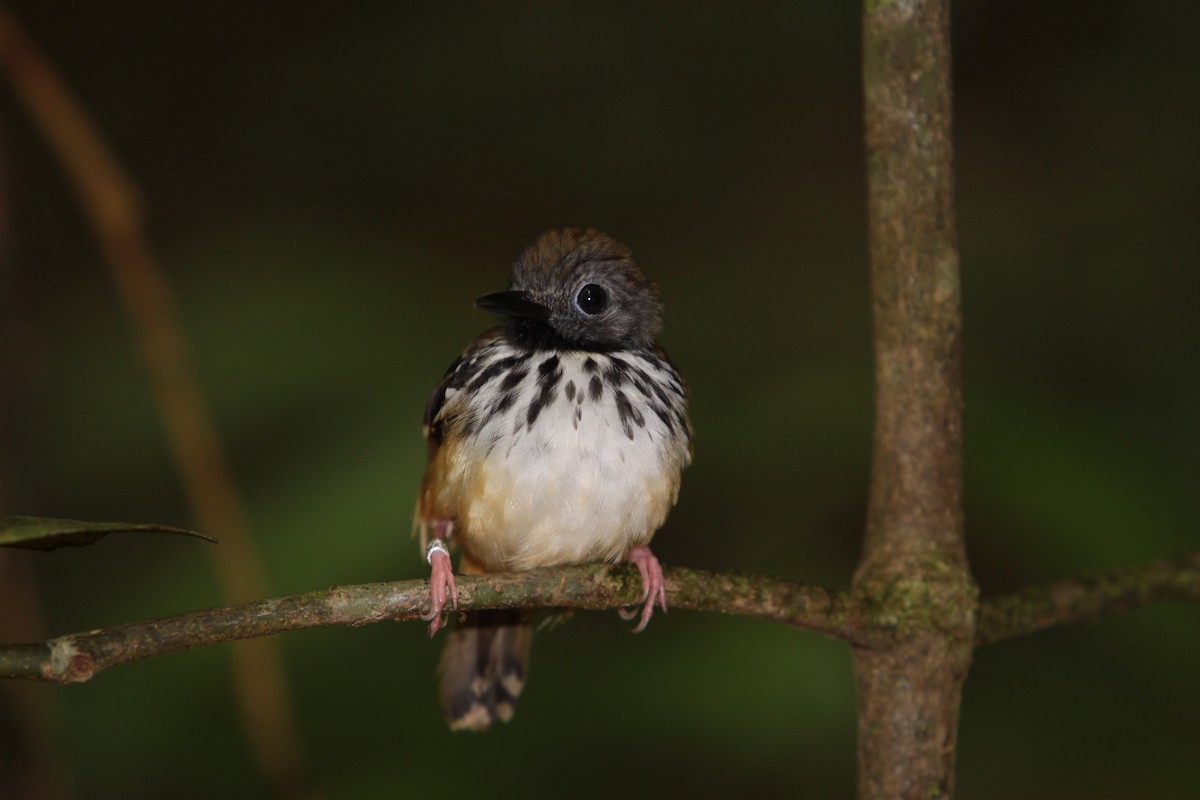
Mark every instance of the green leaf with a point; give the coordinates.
(42, 533)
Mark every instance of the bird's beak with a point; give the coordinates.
(514, 304)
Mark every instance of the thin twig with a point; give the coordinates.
(1036, 608)
(77, 657)
(113, 209)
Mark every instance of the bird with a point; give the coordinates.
(556, 438)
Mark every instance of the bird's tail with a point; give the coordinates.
(483, 668)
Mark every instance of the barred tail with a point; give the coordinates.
(483, 668)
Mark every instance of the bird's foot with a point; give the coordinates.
(653, 587)
(441, 584)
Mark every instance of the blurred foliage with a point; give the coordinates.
(331, 189)
(41, 533)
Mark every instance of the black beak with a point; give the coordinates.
(513, 304)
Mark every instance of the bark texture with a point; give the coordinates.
(914, 568)
(78, 657)
(1035, 608)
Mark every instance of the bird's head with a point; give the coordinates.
(578, 288)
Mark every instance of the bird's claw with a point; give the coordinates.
(441, 587)
(653, 587)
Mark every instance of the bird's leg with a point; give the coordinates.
(441, 574)
(653, 587)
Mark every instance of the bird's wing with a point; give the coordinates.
(460, 372)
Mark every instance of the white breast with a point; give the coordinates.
(567, 457)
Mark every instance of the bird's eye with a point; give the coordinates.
(592, 299)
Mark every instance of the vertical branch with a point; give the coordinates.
(112, 207)
(914, 565)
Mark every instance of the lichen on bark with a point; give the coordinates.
(914, 574)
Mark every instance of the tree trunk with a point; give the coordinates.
(914, 567)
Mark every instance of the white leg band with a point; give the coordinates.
(435, 546)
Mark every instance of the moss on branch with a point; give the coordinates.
(77, 657)
(865, 622)
(1035, 608)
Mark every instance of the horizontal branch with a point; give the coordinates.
(77, 657)
(1036, 607)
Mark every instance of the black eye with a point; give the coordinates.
(592, 299)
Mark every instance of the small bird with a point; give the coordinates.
(556, 438)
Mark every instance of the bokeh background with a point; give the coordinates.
(330, 187)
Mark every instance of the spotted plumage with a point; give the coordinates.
(557, 438)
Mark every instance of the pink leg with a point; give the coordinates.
(441, 578)
(653, 588)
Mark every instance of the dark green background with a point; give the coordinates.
(329, 187)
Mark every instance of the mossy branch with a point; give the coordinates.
(1035, 608)
(77, 657)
